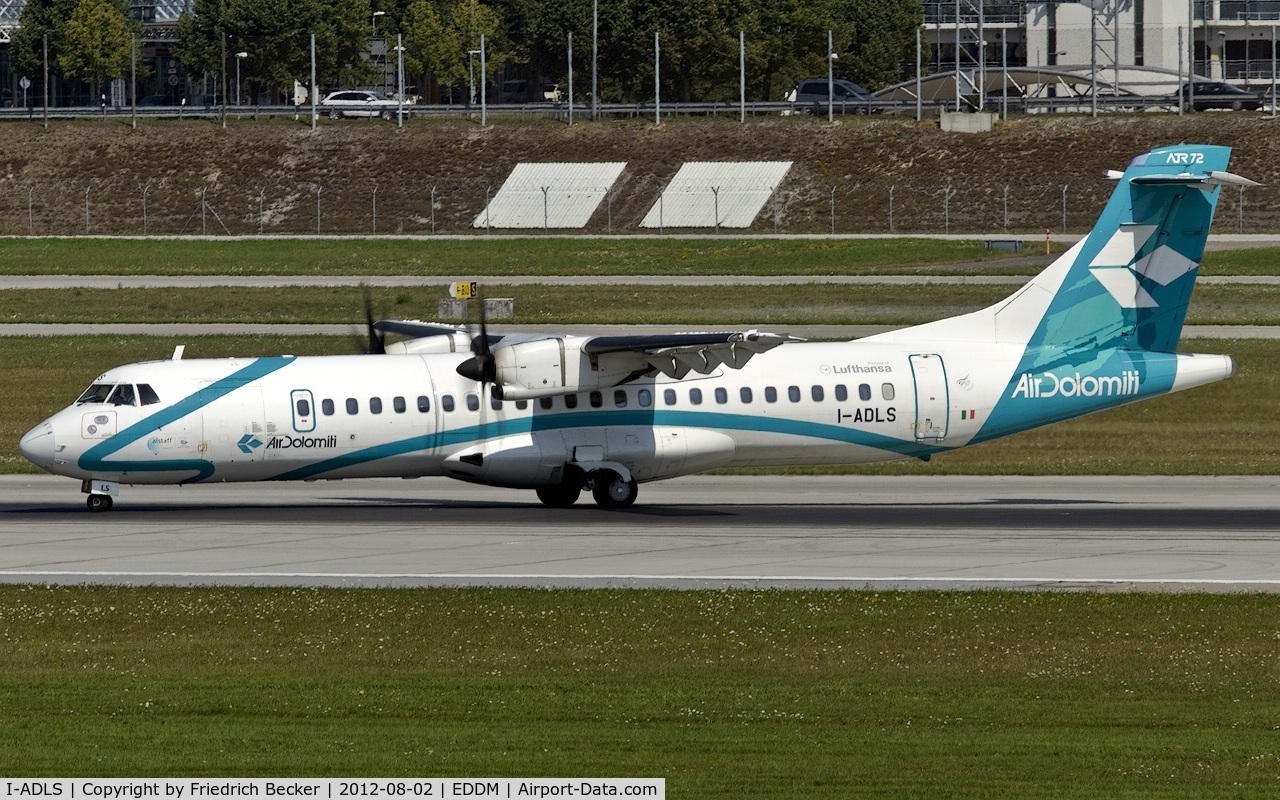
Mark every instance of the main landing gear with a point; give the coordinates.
(610, 488)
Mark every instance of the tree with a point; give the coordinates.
(428, 46)
(97, 42)
(276, 34)
(468, 20)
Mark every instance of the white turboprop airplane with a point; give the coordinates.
(557, 414)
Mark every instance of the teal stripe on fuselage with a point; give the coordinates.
(708, 420)
(94, 459)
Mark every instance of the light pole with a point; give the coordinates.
(382, 82)
(239, 57)
(471, 76)
(831, 81)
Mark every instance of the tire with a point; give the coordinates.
(99, 502)
(335, 114)
(562, 496)
(611, 491)
(386, 114)
(1237, 105)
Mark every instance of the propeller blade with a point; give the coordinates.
(377, 340)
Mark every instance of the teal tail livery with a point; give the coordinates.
(563, 414)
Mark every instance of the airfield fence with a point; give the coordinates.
(167, 206)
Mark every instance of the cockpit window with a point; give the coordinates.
(123, 396)
(96, 393)
(147, 395)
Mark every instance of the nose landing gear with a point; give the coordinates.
(99, 494)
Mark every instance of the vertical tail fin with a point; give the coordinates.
(1130, 281)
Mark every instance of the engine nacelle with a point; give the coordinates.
(547, 367)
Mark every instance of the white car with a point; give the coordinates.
(357, 103)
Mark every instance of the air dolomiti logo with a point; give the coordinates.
(301, 442)
(1049, 385)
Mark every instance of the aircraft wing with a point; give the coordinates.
(677, 354)
(526, 365)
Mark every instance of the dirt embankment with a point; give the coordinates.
(881, 171)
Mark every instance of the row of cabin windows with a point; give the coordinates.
(644, 398)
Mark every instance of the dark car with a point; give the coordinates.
(847, 97)
(1217, 94)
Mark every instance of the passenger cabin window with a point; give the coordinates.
(570, 401)
(817, 394)
(793, 394)
(495, 402)
(522, 404)
(596, 399)
(96, 393)
(669, 396)
(326, 407)
(619, 398)
(304, 408)
(424, 404)
(770, 394)
(375, 405)
(123, 396)
(398, 405)
(722, 395)
(544, 402)
(446, 402)
(645, 397)
(744, 394)
(146, 395)
(353, 405)
(473, 402)
(864, 391)
(842, 392)
(886, 391)
(695, 396)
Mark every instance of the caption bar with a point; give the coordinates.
(326, 788)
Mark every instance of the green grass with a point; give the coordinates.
(481, 255)
(725, 694)
(1226, 428)
(839, 304)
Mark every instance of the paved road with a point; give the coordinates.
(1184, 533)
(41, 282)
(830, 332)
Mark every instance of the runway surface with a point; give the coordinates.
(1145, 533)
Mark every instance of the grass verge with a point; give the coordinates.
(1226, 428)
(484, 255)
(725, 694)
(834, 304)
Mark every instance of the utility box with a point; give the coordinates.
(968, 122)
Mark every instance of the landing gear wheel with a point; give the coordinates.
(611, 491)
(99, 502)
(562, 496)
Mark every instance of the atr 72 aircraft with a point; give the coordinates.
(559, 414)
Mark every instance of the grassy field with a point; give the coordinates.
(1226, 428)
(482, 255)
(725, 694)
(836, 304)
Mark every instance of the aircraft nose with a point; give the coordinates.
(37, 446)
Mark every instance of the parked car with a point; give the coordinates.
(1217, 94)
(847, 96)
(359, 103)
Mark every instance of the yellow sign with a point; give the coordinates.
(463, 290)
